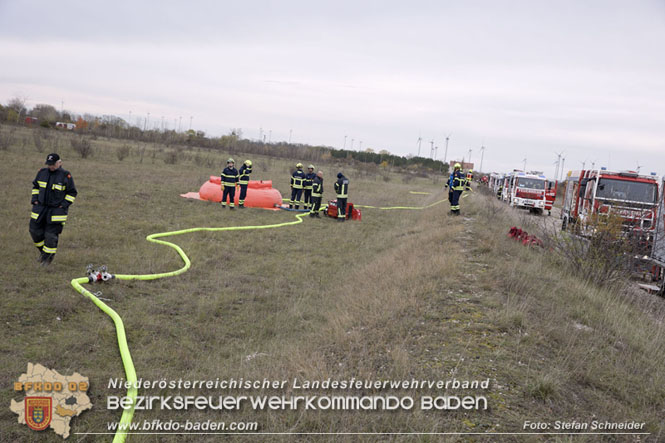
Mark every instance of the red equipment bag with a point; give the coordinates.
(351, 211)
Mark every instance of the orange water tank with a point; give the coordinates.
(260, 193)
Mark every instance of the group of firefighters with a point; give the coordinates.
(306, 188)
(53, 191)
(457, 183)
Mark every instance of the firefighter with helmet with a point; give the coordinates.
(307, 186)
(317, 194)
(458, 183)
(469, 178)
(342, 191)
(53, 192)
(297, 183)
(229, 181)
(243, 181)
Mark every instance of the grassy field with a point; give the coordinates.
(404, 294)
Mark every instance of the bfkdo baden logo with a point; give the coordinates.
(38, 412)
(51, 399)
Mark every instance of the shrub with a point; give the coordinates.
(82, 146)
(597, 251)
(42, 140)
(6, 138)
(122, 152)
(171, 158)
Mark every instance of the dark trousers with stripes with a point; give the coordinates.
(341, 207)
(307, 197)
(454, 203)
(231, 192)
(296, 196)
(45, 235)
(243, 194)
(316, 205)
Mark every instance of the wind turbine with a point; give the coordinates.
(431, 149)
(482, 155)
(445, 155)
(558, 163)
(420, 139)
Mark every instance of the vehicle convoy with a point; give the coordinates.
(526, 190)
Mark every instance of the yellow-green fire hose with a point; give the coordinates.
(130, 372)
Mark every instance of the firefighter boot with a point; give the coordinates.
(48, 258)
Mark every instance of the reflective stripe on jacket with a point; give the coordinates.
(317, 187)
(458, 181)
(297, 179)
(243, 174)
(342, 187)
(229, 177)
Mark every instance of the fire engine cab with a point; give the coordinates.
(527, 191)
(632, 196)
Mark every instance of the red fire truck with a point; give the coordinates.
(527, 191)
(658, 252)
(632, 196)
(550, 196)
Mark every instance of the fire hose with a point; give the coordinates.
(102, 275)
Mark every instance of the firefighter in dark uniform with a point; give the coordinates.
(317, 194)
(459, 182)
(243, 181)
(53, 191)
(307, 186)
(229, 181)
(342, 191)
(297, 182)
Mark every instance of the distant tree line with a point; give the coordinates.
(111, 126)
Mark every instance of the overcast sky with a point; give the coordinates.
(524, 78)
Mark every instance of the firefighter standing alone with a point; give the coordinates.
(342, 191)
(459, 182)
(53, 191)
(229, 181)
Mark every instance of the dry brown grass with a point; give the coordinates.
(400, 295)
